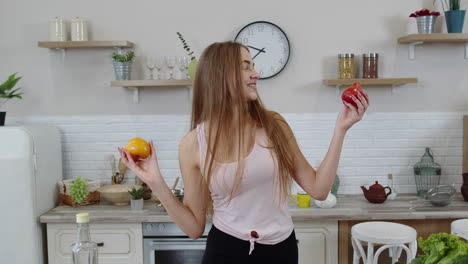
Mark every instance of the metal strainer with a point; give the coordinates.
(441, 195)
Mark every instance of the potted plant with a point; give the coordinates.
(136, 203)
(8, 92)
(454, 17)
(123, 65)
(193, 60)
(426, 20)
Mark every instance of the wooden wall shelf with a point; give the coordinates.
(418, 39)
(151, 83)
(435, 38)
(135, 85)
(64, 45)
(85, 44)
(380, 81)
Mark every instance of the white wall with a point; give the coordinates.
(318, 31)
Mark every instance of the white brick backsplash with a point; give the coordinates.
(382, 143)
(454, 142)
(90, 146)
(371, 171)
(90, 155)
(382, 124)
(307, 144)
(433, 143)
(166, 145)
(424, 124)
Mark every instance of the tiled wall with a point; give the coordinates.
(381, 143)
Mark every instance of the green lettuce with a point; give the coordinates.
(442, 248)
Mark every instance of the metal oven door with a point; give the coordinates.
(174, 250)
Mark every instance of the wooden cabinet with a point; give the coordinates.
(317, 242)
(119, 243)
(465, 144)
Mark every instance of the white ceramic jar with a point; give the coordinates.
(79, 30)
(57, 29)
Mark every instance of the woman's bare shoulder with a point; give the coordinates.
(189, 140)
(188, 146)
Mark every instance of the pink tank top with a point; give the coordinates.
(254, 214)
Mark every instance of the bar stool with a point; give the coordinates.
(390, 235)
(460, 228)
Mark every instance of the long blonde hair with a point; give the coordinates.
(218, 98)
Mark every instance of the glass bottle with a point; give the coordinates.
(346, 68)
(427, 173)
(392, 185)
(370, 65)
(84, 251)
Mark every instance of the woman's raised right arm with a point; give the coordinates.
(190, 216)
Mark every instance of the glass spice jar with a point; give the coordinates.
(370, 62)
(346, 66)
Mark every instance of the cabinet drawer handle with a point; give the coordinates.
(100, 244)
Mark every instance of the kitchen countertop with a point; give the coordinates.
(349, 207)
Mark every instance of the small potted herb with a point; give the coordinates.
(454, 16)
(123, 65)
(136, 203)
(8, 92)
(193, 60)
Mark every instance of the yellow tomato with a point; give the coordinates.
(138, 148)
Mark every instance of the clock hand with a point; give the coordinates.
(261, 50)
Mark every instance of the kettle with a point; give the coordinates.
(376, 193)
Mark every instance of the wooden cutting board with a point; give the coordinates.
(465, 144)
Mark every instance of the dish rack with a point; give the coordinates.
(91, 186)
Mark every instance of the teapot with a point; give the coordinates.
(376, 193)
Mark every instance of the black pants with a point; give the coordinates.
(222, 248)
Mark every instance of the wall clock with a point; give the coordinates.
(268, 45)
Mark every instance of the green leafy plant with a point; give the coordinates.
(450, 4)
(186, 46)
(461, 260)
(78, 190)
(137, 193)
(123, 57)
(454, 4)
(6, 89)
(441, 248)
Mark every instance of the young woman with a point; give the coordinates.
(238, 162)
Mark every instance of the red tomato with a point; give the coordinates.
(355, 89)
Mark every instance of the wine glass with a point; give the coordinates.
(158, 64)
(181, 66)
(170, 62)
(150, 64)
(186, 62)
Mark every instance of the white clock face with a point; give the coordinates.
(268, 46)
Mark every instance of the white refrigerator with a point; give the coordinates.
(30, 167)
